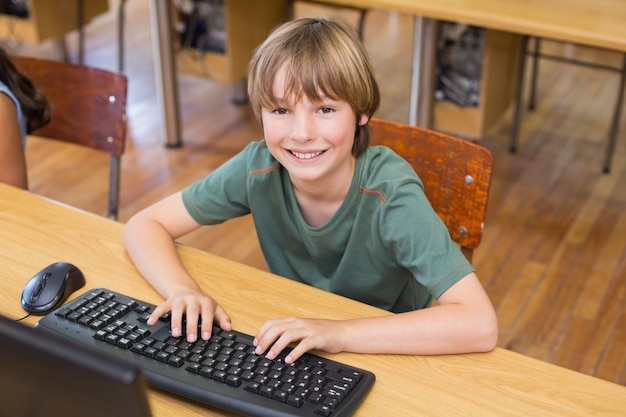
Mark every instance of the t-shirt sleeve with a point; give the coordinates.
(419, 240)
(21, 121)
(222, 194)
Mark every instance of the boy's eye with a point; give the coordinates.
(279, 111)
(326, 110)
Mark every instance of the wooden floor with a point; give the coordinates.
(553, 258)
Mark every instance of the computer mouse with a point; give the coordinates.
(50, 287)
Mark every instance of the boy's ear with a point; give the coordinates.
(364, 119)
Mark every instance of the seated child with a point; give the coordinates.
(330, 211)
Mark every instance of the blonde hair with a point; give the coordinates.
(320, 57)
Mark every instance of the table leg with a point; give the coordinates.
(121, 23)
(165, 71)
(532, 99)
(519, 83)
(422, 72)
(81, 31)
(617, 112)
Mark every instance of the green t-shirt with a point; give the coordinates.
(385, 246)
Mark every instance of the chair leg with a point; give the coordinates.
(120, 36)
(361, 24)
(114, 187)
(239, 92)
(617, 112)
(61, 48)
(81, 31)
(519, 87)
(533, 75)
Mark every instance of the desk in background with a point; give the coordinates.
(51, 20)
(37, 232)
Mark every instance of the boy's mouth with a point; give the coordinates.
(306, 155)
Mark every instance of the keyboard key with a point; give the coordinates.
(100, 335)
(150, 352)
(280, 396)
(323, 410)
(176, 361)
(138, 348)
(233, 380)
(194, 368)
(295, 400)
(124, 343)
(219, 375)
(254, 387)
(266, 391)
(64, 312)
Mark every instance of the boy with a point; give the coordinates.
(329, 210)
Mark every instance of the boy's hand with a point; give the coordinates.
(275, 335)
(193, 306)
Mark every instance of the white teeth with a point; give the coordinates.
(306, 155)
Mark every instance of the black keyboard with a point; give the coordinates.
(223, 372)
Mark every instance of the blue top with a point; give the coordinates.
(20, 116)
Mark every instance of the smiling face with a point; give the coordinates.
(314, 64)
(311, 139)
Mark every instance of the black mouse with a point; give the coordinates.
(50, 287)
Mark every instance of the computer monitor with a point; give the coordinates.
(44, 374)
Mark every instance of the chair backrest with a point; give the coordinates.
(456, 175)
(88, 109)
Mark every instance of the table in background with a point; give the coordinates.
(37, 232)
(51, 20)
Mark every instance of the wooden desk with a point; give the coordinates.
(49, 20)
(37, 232)
(599, 23)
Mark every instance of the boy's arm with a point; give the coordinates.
(149, 239)
(463, 321)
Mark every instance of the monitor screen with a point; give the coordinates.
(43, 374)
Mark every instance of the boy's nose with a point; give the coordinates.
(303, 128)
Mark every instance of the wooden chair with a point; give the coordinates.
(456, 176)
(88, 109)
